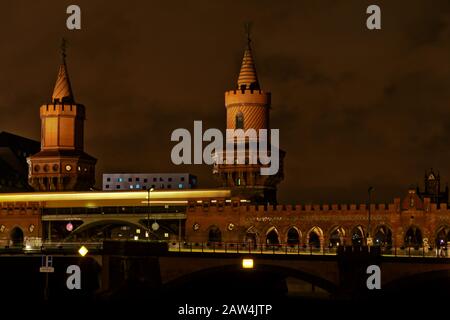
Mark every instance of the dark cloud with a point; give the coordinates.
(355, 107)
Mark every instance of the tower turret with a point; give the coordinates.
(62, 163)
(248, 107)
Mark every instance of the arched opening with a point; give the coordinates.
(337, 237)
(383, 237)
(272, 237)
(17, 237)
(413, 237)
(293, 236)
(251, 240)
(265, 281)
(106, 230)
(442, 237)
(214, 235)
(239, 121)
(357, 236)
(314, 237)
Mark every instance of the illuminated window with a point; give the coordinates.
(131, 186)
(180, 186)
(119, 180)
(138, 186)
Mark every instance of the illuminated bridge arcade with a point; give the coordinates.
(32, 219)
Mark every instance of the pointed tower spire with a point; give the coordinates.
(63, 91)
(247, 76)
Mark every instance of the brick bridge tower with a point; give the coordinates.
(248, 107)
(62, 165)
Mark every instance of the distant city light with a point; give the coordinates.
(69, 227)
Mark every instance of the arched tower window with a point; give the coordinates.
(239, 121)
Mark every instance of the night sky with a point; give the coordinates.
(354, 107)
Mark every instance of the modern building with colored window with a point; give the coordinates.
(144, 181)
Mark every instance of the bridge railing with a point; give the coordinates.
(236, 247)
(283, 248)
(54, 247)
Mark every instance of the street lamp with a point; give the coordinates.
(149, 190)
(369, 239)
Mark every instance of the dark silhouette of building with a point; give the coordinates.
(432, 184)
(14, 151)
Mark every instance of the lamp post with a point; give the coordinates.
(149, 190)
(369, 238)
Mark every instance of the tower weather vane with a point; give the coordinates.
(248, 26)
(63, 48)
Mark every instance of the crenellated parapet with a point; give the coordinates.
(247, 97)
(236, 219)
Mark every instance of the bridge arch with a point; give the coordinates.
(436, 281)
(218, 272)
(86, 226)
